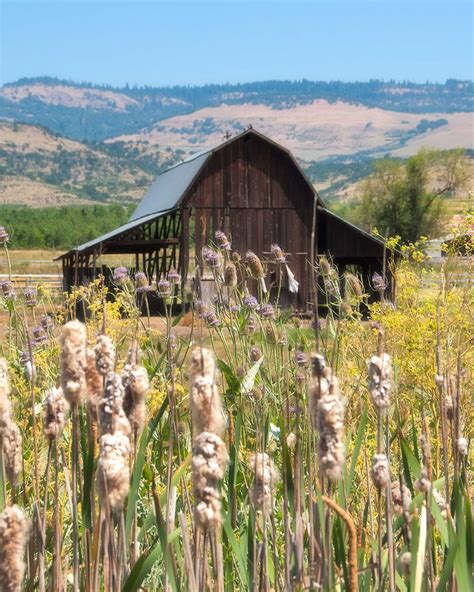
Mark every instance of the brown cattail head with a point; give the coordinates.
(230, 275)
(5, 404)
(320, 381)
(254, 264)
(136, 385)
(12, 452)
(13, 537)
(401, 497)
(104, 355)
(405, 563)
(111, 414)
(95, 384)
(265, 480)
(73, 361)
(206, 406)
(380, 381)
(209, 461)
(380, 471)
(56, 409)
(113, 473)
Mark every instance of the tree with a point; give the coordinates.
(405, 197)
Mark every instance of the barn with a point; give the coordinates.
(254, 190)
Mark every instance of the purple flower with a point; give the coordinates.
(120, 275)
(164, 288)
(173, 276)
(39, 335)
(278, 254)
(222, 241)
(378, 282)
(8, 290)
(301, 359)
(30, 295)
(3, 236)
(251, 302)
(47, 322)
(255, 353)
(199, 307)
(267, 311)
(211, 319)
(211, 258)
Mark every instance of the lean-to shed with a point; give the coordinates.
(254, 190)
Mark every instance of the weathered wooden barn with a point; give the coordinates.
(254, 190)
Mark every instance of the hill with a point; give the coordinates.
(91, 112)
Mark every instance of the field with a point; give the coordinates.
(237, 447)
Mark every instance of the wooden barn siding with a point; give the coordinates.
(253, 191)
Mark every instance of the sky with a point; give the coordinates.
(195, 42)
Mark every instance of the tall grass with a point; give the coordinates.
(226, 452)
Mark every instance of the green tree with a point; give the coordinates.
(405, 198)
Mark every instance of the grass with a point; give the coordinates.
(302, 517)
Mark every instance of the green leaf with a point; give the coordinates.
(142, 567)
(240, 559)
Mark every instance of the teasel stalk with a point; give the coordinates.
(13, 537)
(73, 343)
(209, 460)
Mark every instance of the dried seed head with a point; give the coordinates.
(462, 445)
(380, 381)
(104, 355)
(423, 484)
(13, 537)
(401, 497)
(378, 282)
(319, 384)
(330, 424)
(265, 480)
(355, 285)
(255, 353)
(325, 266)
(405, 562)
(113, 471)
(254, 264)
(230, 275)
(206, 407)
(440, 502)
(448, 406)
(5, 404)
(56, 409)
(12, 452)
(73, 361)
(136, 386)
(277, 254)
(95, 384)
(380, 471)
(291, 440)
(221, 241)
(111, 413)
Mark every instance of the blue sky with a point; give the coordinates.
(194, 42)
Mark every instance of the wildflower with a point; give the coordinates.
(111, 414)
(378, 282)
(120, 275)
(12, 451)
(250, 302)
(278, 254)
(56, 409)
(4, 238)
(47, 322)
(8, 290)
(39, 335)
(255, 353)
(136, 386)
(73, 361)
(211, 258)
(141, 282)
(222, 241)
(113, 473)
(230, 275)
(173, 276)
(267, 311)
(401, 497)
(380, 381)
(211, 319)
(199, 308)
(266, 477)
(104, 355)
(330, 422)
(206, 406)
(164, 288)
(13, 537)
(30, 295)
(380, 471)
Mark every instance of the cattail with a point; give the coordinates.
(206, 407)
(111, 414)
(440, 502)
(209, 460)
(95, 384)
(266, 477)
(5, 404)
(423, 484)
(355, 285)
(401, 497)
(319, 385)
(462, 445)
(13, 537)
(380, 471)
(56, 409)
(12, 451)
(113, 473)
(104, 355)
(73, 361)
(380, 381)
(230, 275)
(405, 563)
(136, 385)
